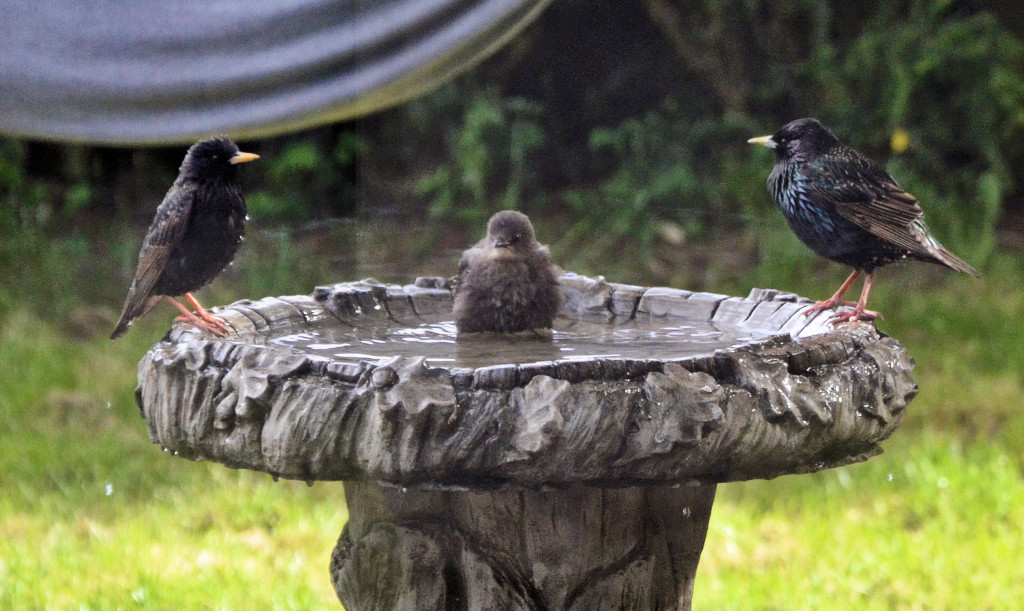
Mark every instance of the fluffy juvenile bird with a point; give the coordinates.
(846, 208)
(194, 235)
(507, 282)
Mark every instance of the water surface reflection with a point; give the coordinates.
(571, 340)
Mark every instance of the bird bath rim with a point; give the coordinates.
(803, 398)
(618, 322)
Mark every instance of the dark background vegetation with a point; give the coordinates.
(620, 128)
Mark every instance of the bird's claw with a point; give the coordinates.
(828, 304)
(856, 313)
(216, 326)
(208, 322)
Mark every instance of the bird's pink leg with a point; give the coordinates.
(186, 316)
(201, 318)
(836, 299)
(216, 325)
(859, 312)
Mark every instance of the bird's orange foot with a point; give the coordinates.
(205, 320)
(857, 313)
(828, 304)
(216, 326)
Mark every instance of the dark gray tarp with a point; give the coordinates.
(171, 71)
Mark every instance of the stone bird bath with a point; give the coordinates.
(576, 472)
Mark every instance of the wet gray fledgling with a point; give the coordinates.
(507, 282)
(194, 235)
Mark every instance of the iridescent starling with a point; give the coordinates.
(846, 208)
(507, 282)
(194, 235)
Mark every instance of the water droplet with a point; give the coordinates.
(108, 404)
(110, 489)
(942, 483)
(276, 478)
(890, 477)
(310, 482)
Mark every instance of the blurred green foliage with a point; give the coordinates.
(946, 80)
(618, 130)
(21, 199)
(955, 85)
(304, 174)
(490, 168)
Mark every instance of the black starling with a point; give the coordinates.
(194, 235)
(846, 208)
(507, 282)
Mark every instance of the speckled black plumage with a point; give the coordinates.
(195, 233)
(507, 282)
(845, 207)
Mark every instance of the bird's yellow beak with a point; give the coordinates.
(763, 141)
(243, 158)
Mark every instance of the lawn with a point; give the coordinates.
(93, 516)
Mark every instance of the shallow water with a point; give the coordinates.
(571, 340)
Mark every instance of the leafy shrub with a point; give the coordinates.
(953, 84)
(490, 166)
(301, 175)
(929, 89)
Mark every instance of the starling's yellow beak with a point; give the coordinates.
(243, 158)
(763, 141)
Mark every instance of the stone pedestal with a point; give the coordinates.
(527, 473)
(580, 547)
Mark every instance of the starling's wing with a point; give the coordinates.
(546, 253)
(165, 232)
(864, 194)
(468, 257)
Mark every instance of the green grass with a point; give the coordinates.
(93, 516)
(931, 524)
(937, 521)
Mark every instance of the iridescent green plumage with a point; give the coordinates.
(846, 208)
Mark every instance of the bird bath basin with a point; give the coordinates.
(576, 471)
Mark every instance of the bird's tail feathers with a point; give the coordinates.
(122, 327)
(944, 257)
(132, 310)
